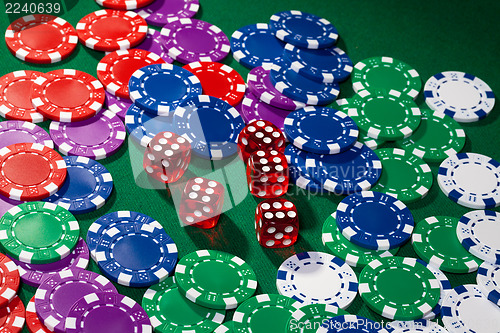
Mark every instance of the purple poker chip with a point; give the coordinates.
(153, 44)
(259, 83)
(33, 274)
(254, 109)
(117, 105)
(58, 292)
(189, 40)
(74, 139)
(6, 204)
(107, 312)
(18, 131)
(160, 11)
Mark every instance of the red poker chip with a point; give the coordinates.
(41, 38)
(219, 80)
(30, 171)
(9, 280)
(12, 316)
(15, 101)
(32, 321)
(115, 69)
(111, 30)
(124, 4)
(67, 95)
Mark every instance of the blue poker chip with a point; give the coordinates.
(297, 171)
(445, 288)
(303, 29)
(297, 87)
(351, 324)
(143, 126)
(374, 220)
(255, 44)
(354, 170)
(323, 65)
(321, 130)
(211, 125)
(160, 89)
(87, 187)
(136, 254)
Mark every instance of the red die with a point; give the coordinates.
(267, 174)
(201, 202)
(276, 223)
(260, 135)
(167, 157)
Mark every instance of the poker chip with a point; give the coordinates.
(297, 170)
(211, 126)
(30, 171)
(254, 109)
(111, 30)
(158, 12)
(417, 326)
(15, 101)
(190, 40)
(445, 289)
(58, 292)
(399, 288)
(123, 4)
(17, 131)
(295, 86)
(108, 135)
(352, 254)
(488, 280)
(370, 142)
(384, 115)
(354, 170)
(41, 38)
(351, 323)
(67, 95)
(477, 231)
(466, 309)
(264, 313)
(321, 130)
(404, 176)
(471, 180)
(462, 96)
(12, 316)
(33, 274)
(108, 311)
(312, 316)
(227, 327)
(219, 80)
(317, 277)
(56, 236)
(374, 220)
(153, 44)
(435, 241)
(259, 83)
(87, 187)
(169, 310)
(6, 204)
(160, 89)
(303, 29)
(325, 65)
(9, 280)
(437, 137)
(143, 127)
(117, 105)
(386, 73)
(136, 254)
(115, 69)
(215, 279)
(255, 44)
(32, 321)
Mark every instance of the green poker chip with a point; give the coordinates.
(215, 279)
(438, 137)
(386, 73)
(388, 116)
(435, 240)
(170, 311)
(309, 318)
(399, 288)
(38, 232)
(225, 328)
(265, 313)
(352, 254)
(404, 176)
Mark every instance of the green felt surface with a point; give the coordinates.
(432, 36)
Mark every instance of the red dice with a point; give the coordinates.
(201, 203)
(167, 157)
(260, 135)
(267, 174)
(276, 223)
